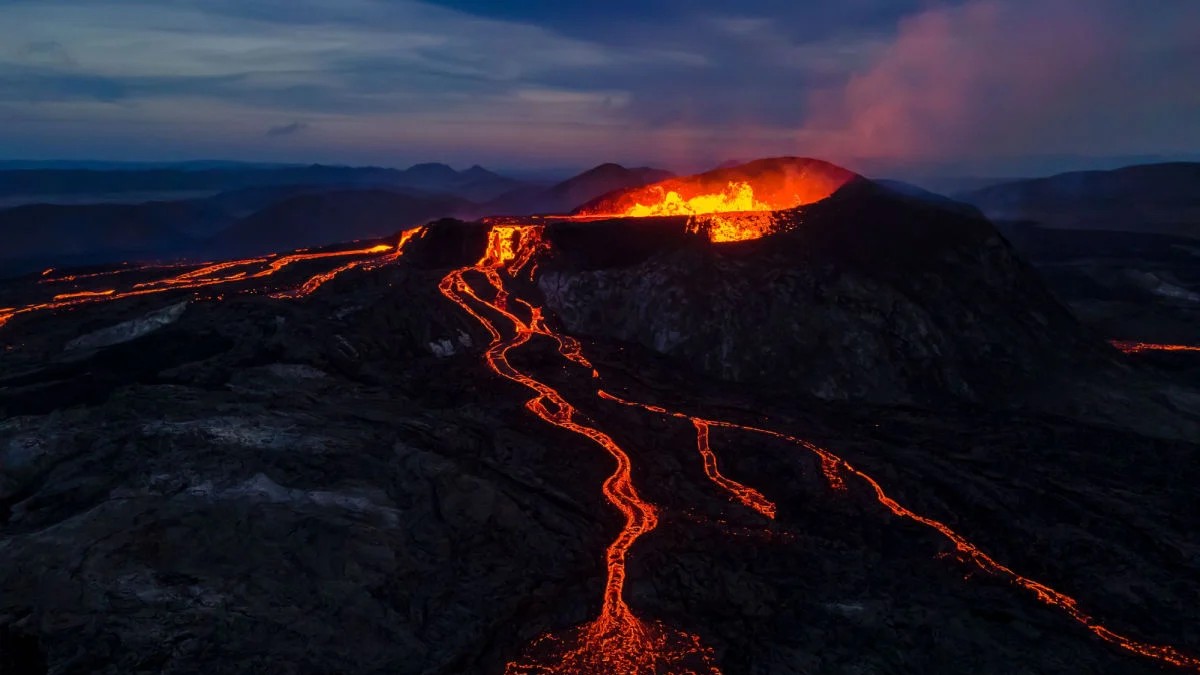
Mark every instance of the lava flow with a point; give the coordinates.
(321, 278)
(617, 641)
(1132, 347)
(834, 467)
(212, 275)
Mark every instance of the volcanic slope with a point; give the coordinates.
(865, 295)
(345, 480)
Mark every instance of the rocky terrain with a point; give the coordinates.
(1150, 198)
(338, 484)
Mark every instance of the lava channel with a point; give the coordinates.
(834, 468)
(617, 641)
(216, 274)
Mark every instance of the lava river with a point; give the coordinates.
(617, 640)
(212, 275)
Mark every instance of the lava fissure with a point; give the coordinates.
(834, 467)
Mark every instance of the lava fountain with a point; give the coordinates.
(731, 204)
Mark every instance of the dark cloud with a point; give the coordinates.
(287, 129)
(667, 81)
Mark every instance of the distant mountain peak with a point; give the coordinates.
(476, 172)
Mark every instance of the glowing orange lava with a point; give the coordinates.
(746, 495)
(1130, 347)
(126, 269)
(202, 277)
(732, 214)
(731, 204)
(321, 278)
(834, 467)
(617, 641)
(735, 198)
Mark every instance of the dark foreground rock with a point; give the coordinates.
(338, 485)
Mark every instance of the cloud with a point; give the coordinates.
(998, 78)
(665, 81)
(287, 129)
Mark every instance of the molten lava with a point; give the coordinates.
(732, 204)
(1130, 347)
(834, 467)
(212, 275)
(617, 641)
(321, 278)
(736, 197)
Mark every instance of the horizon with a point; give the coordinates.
(945, 171)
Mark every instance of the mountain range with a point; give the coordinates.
(260, 209)
(1153, 198)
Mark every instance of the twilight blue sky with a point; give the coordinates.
(984, 86)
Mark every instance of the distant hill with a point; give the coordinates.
(102, 165)
(921, 194)
(575, 191)
(476, 183)
(327, 217)
(97, 232)
(1159, 198)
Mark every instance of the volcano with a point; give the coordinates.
(770, 418)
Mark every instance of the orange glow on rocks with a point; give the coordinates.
(723, 227)
(82, 295)
(734, 198)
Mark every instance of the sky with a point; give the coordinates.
(986, 87)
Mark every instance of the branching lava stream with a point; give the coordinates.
(834, 467)
(618, 641)
(214, 274)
